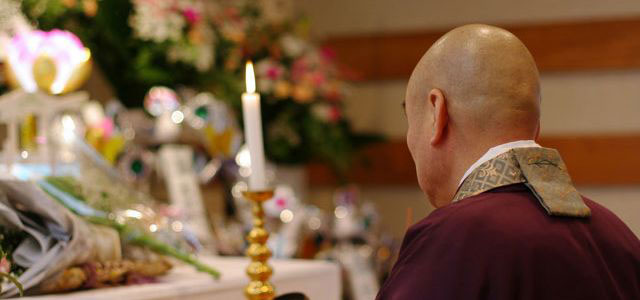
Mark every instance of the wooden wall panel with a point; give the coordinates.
(605, 160)
(587, 45)
(592, 160)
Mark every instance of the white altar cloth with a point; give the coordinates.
(317, 279)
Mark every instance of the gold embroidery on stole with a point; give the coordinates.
(540, 169)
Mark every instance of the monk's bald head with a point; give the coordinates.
(487, 75)
(475, 88)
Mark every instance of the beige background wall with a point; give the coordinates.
(574, 103)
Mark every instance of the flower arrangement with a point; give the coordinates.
(139, 44)
(300, 83)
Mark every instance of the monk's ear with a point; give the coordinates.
(440, 118)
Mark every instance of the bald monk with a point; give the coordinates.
(508, 222)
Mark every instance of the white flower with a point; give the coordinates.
(321, 112)
(205, 57)
(201, 56)
(293, 46)
(268, 71)
(265, 85)
(157, 21)
(283, 198)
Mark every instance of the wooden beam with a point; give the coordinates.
(605, 160)
(592, 160)
(569, 46)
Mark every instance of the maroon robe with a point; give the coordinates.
(501, 244)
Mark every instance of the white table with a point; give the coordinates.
(317, 279)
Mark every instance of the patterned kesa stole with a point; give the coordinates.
(540, 169)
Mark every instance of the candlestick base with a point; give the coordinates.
(259, 272)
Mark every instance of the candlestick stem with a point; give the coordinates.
(259, 271)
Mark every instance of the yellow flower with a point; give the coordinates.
(90, 7)
(303, 92)
(282, 89)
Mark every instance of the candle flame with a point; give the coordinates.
(250, 78)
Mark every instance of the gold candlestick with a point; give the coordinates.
(259, 288)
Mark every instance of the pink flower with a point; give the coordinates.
(318, 78)
(191, 15)
(107, 127)
(281, 203)
(273, 72)
(269, 71)
(5, 265)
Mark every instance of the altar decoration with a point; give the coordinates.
(39, 65)
(138, 226)
(103, 198)
(182, 61)
(203, 44)
(349, 234)
(259, 271)
(18, 107)
(52, 240)
(54, 62)
(101, 132)
(138, 44)
(216, 122)
(300, 84)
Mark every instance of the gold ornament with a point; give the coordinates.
(44, 72)
(10, 77)
(35, 62)
(259, 271)
(80, 74)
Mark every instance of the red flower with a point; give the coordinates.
(273, 72)
(191, 15)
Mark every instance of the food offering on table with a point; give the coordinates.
(45, 242)
(143, 230)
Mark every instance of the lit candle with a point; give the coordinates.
(253, 131)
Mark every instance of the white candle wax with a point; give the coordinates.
(253, 133)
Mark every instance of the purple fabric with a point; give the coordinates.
(501, 244)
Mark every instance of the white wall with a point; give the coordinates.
(573, 102)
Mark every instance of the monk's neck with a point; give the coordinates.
(460, 164)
